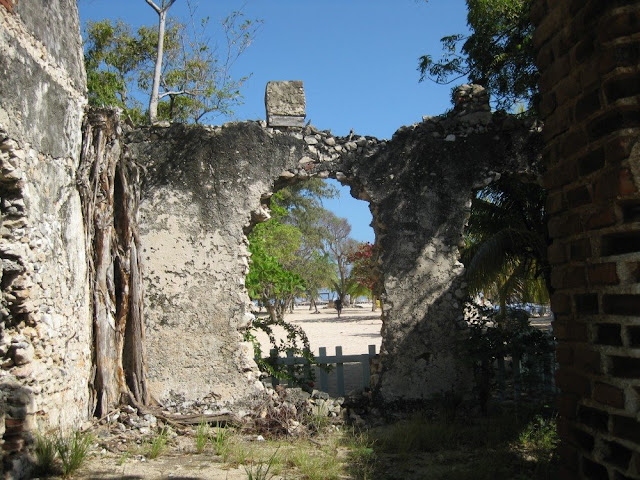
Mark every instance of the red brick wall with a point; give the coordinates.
(589, 57)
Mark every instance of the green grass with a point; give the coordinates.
(45, 454)
(72, 451)
(158, 444)
(203, 435)
(220, 440)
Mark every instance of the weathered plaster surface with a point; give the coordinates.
(45, 329)
(204, 185)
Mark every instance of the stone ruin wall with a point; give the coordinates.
(45, 328)
(588, 54)
(203, 186)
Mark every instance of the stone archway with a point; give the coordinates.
(203, 186)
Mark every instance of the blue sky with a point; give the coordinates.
(357, 59)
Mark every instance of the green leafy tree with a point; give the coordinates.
(195, 80)
(506, 242)
(338, 244)
(365, 271)
(497, 54)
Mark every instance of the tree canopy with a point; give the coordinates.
(497, 54)
(195, 81)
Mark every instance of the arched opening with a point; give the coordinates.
(315, 283)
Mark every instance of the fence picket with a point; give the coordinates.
(340, 371)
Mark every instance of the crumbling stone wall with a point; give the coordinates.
(588, 55)
(45, 329)
(204, 185)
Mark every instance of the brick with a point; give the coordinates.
(586, 304)
(554, 203)
(537, 12)
(573, 142)
(621, 304)
(622, 87)
(630, 211)
(564, 354)
(619, 148)
(592, 161)
(578, 197)
(561, 303)
(580, 249)
(587, 105)
(633, 271)
(584, 49)
(609, 334)
(611, 121)
(620, 25)
(607, 185)
(567, 405)
(560, 175)
(620, 243)
(608, 395)
(556, 253)
(626, 428)
(617, 455)
(627, 184)
(567, 89)
(602, 217)
(603, 274)
(558, 122)
(586, 359)
(583, 439)
(633, 333)
(572, 382)
(594, 418)
(550, 24)
(545, 57)
(624, 367)
(592, 470)
(574, 277)
(618, 55)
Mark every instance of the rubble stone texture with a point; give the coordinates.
(590, 101)
(205, 186)
(45, 329)
(285, 104)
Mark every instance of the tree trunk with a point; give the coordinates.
(110, 203)
(155, 88)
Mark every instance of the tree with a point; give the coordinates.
(498, 53)
(162, 20)
(365, 270)
(195, 80)
(506, 242)
(339, 246)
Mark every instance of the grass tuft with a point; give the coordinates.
(158, 444)
(72, 451)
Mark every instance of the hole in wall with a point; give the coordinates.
(328, 243)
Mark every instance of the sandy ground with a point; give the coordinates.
(355, 330)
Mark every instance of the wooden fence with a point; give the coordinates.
(532, 375)
(336, 361)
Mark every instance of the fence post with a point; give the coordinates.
(307, 366)
(517, 379)
(366, 369)
(290, 368)
(324, 377)
(274, 380)
(339, 371)
(500, 374)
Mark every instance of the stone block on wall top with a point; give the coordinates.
(285, 103)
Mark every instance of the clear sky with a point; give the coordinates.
(357, 58)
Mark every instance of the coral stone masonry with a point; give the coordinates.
(123, 251)
(589, 57)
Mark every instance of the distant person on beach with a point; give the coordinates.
(338, 304)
